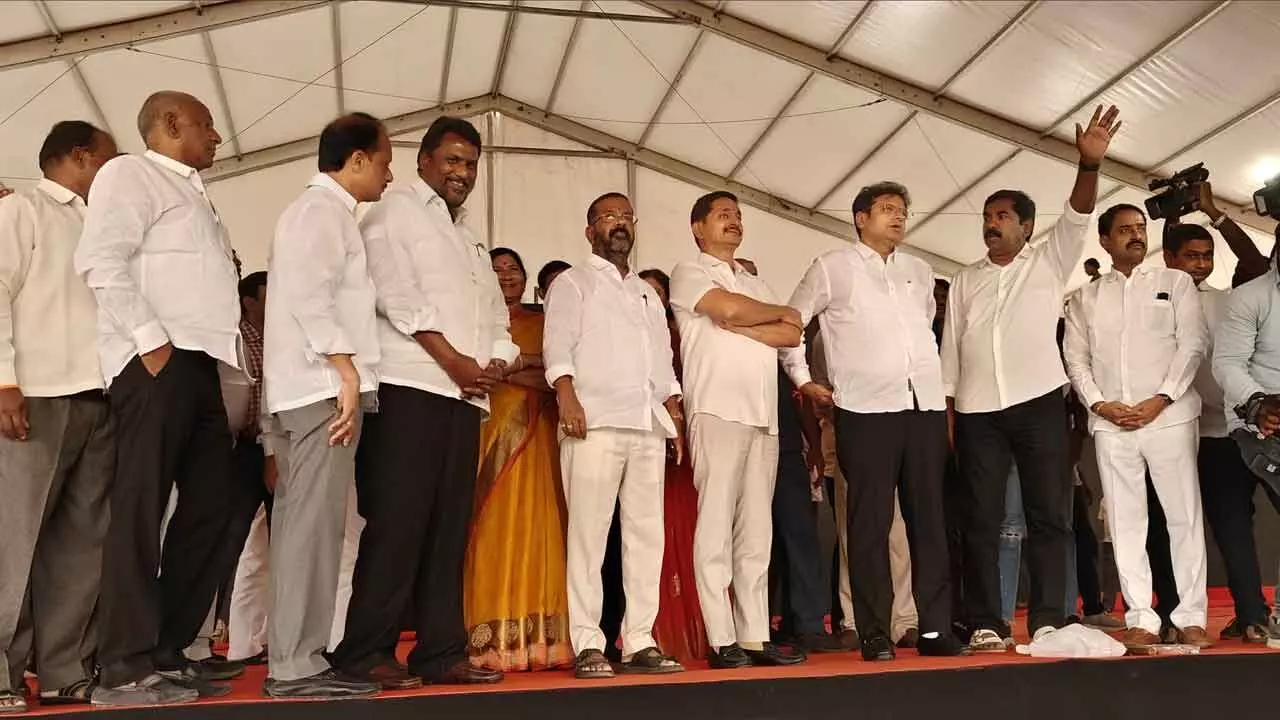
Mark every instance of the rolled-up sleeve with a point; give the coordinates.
(689, 282)
(561, 328)
(500, 323)
(391, 268)
(312, 237)
(120, 211)
(1234, 345)
(663, 375)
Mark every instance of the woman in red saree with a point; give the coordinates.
(516, 600)
(678, 628)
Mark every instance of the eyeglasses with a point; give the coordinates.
(891, 210)
(613, 218)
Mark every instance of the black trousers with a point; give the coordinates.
(415, 483)
(953, 503)
(798, 554)
(171, 428)
(880, 453)
(1160, 557)
(1032, 434)
(1227, 489)
(248, 491)
(614, 601)
(1088, 581)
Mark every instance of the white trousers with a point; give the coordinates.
(904, 616)
(1169, 454)
(626, 467)
(251, 601)
(735, 467)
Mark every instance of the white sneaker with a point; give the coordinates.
(1042, 632)
(987, 641)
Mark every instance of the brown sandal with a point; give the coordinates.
(592, 665)
(12, 702)
(77, 693)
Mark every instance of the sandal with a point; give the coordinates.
(11, 701)
(77, 693)
(651, 661)
(592, 665)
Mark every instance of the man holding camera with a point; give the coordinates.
(1246, 363)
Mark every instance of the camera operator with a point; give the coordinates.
(1250, 262)
(1246, 363)
(1226, 483)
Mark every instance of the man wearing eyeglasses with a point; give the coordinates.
(875, 304)
(608, 356)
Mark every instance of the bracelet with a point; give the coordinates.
(1089, 168)
(1221, 219)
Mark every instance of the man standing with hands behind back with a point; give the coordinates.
(607, 351)
(1003, 374)
(158, 260)
(443, 330)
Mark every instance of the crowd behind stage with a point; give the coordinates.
(377, 434)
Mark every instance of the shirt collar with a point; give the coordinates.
(60, 194)
(428, 195)
(866, 252)
(168, 163)
(602, 265)
(710, 260)
(1023, 254)
(328, 183)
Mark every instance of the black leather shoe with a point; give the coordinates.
(218, 667)
(821, 643)
(774, 655)
(328, 684)
(191, 678)
(729, 657)
(464, 673)
(393, 676)
(259, 659)
(878, 649)
(909, 639)
(945, 645)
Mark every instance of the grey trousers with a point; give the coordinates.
(54, 514)
(308, 521)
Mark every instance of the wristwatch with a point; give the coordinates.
(1168, 400)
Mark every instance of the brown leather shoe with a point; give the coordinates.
(1196, 635)
(464, 673)
(1135, 638)
(394, 676)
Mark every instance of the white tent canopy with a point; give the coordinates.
(794, 105)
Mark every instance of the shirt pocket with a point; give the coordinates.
(1157, 317)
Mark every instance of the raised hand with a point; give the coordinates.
(1093, 141)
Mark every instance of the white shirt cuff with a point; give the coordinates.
(555, 372)
(149, 336)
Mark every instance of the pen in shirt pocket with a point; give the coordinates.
(1162, 296)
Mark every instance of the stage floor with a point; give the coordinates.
(826, 686)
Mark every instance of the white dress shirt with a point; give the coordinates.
(432, 276)
(321, 301)
(1130, 339)
(726, 374)
(609, 333)
(1246, 344)
(158, 260)
(48, 317)
(1000, 343)
(1213, 414)
(876, 317)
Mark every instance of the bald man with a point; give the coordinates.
(159, 262)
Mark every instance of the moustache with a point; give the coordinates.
(620, 232)
(1136, 244)
(991, 235)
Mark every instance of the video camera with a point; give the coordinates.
(1181, 195)
(1267, 200)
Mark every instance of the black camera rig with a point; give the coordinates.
(1181, 194)
(1267, 200)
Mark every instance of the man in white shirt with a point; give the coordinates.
(57, 443)
(1134, 340)
(158, 260)
(730, 330)
(442, 326)
(320, 358)
(607, 352)
(1002, 372)
(1227, 486)
(876, 309)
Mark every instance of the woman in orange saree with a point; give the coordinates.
(678, 629)
(516, 601)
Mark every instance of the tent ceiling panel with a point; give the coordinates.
(22, 21)
(21, 136)
(902, 38)
(1240, 160)
(1065, 51)
(534, 56)
(510, 132)
(619, 96)
(1228, 65)
(127, 77)
(476, 44)
(400, 72)
(80, 14)
(850, 121)
(815, 23)
(933, 158)
(725, 100)
(263, 78)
